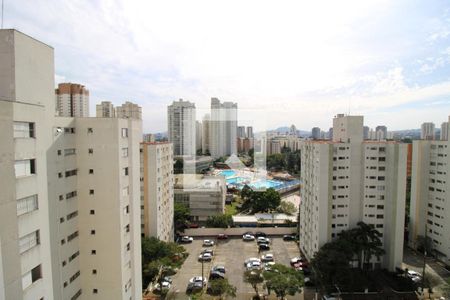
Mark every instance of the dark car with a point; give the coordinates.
(222, 236)
(259, 233)
(289, 237)
(219, 268)
(193, 287)
(263, 247)
(216, 275)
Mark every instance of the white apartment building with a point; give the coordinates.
(427, 131)
(430, 189)
(72, 100)
(223, 128)
(205, 134)
(198, 135)
(157, 190)
(129, 110)
(181, 127)
(444, 131)
(105, 110)
(66, 232)
(348, 180)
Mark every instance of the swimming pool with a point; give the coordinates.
(265, 184)
(227, 173)
(235, 180)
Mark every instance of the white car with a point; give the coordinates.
(248, 237)
(263, 239)
(198, 279)
(187, 239)
(267, 257)
(165, 285)
(412, 274)
(205, 257)
(208, 243)
(251, 259)
(268, 265)
(254, 265)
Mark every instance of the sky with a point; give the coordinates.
(300, 62)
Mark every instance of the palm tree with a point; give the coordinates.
(368, 242)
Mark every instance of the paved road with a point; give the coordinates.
(230, 253)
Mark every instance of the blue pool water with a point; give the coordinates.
(227, 173)
(235, 180)
(266, 184)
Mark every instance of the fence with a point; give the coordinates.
(239, 231)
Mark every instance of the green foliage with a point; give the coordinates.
(287, 208)
(155, 254)
(287, 160)
(219, 221)
(221, 287)
(283, 280)
(264, 201)
(332, 262)
(254, 277)
(276, 161)
(181, 215)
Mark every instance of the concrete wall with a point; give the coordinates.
(239, 231)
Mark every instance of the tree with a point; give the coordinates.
(219, 221)
(221, 287)
(368, 242)
(283, 280)
(275, 161)
(262, 201)
(286, 207)
(254, 277)
(181, 215)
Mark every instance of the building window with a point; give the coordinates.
(70, 130)
(73, 256)
(23, 130)
(72, 236)
(70, 151)
(27, 204)
(71, 173)
(125, 191)
(90, 130)
(92, 232)
(60, 175)
(91, 171)
(124, 152)
(125, 171)
(93, 252)
(124, 132)
(77, 295)
(25, 167)
(92, 212)
(126, 210)
(91, 151)
(91, 192)
(32, 276)
(59, 152)
(94, 271)
(72, 215)
(95, 291)
(128, 247)
(71, 194)
(74, 276)
(29, 241)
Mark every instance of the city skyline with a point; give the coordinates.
(378, 59)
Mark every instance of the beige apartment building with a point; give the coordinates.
(129, 110)
(204, 195)
(70, 201)
(157, 190)
(348, 180)
(430, 200)
(72, 100)
(105, 110)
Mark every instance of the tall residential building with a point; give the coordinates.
(149, 138)
(198, 135)
(315, 133)
(105, 110)
(427, 131)
(205, 134)
(366, 131)
(250, 132)
(72, 100)
(241, 132)
(65, 231)
(430, 189)
(348, 180)
(382, 132)
(223, 128)
(444, 131)
(129, 110)
(293, 130)
(157, 190)
(181, 127)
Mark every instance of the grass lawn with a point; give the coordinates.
(231, 209)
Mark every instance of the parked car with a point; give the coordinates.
(187, 239)
(248, 260)
(165, 285)
(296, 260)
(327, 297)
(268, 266)
(289, 237)
(218, 268)
(193, 287)
(254, 265)
(249, 232)
(264, 247)
(263, 240)
(267, 257)
(216, 275)
(222, 236)
(205, 257)
(198, 279)
(260, 234)
(167, 279)
(248, 237)
(208, 243)
(210, 251)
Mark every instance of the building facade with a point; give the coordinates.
(427, 131)
(72, 100)
(105, 110)
(444, 131)
(205, 134)
(181, 127)
(65, 231)
(430, 187)
(157, 190)
(348, 180)
(129, 110)
(223, 128)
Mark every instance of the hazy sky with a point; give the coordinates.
(301, 61)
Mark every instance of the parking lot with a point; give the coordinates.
(230, 253)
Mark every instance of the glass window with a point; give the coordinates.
(29, 241)
(27, 204)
